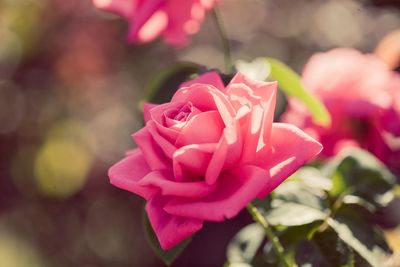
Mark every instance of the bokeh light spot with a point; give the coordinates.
(17, 252)
(10, 51)
(61, 168)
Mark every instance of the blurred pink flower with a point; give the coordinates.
(209, 152)
(359, 91)
(174, 20)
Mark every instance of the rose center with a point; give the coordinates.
(183, 113)
(177, 117)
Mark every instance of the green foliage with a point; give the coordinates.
(290, 83)
(244, 246)
(359, 173)
(360, 235)
(323, 216)
(294, 205)
(324, 249)
(167, 256)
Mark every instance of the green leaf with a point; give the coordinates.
(290, 82)
(312, 177)
(357, 172)
(355, 200)
(289, 237)
(308, 254)
(162, 86)
(292, 214)
(167, 256)
(325, 250)
(244, 246)
(367, 240)
(296, 204)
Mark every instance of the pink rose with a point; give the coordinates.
(209, 152)
(386, 144)
(174, 20)
(358, 90)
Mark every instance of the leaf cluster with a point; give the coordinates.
(323, 216)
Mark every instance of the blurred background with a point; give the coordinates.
(69, 88)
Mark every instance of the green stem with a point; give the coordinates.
(259, 218)
(224, 38)
(334, 208)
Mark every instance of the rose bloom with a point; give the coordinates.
(174, 20)
(359, 91)
(209, 152)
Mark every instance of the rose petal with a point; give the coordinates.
(146, 111)
(227, 153)
(151, 29)
(163, 143)
(144, 14)
(183, 115)
(291, 148)
(121, 7)
(262, 96)
(164, 181)
(264, 90)
(183, 21)
(192, 160)
(127, 174)
(235, 189)
(170, 229)
(153, 154)
(211, 78)
(205, 98)
(203, 128)
(357, 76)
(157, 116)
(209, 3)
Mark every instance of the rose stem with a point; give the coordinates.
(224, 38)
(259, 218)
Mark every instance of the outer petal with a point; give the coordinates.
(150, 30)
(164, 181)
(290, 149)
(148, 21)
(192, 160)
(357, 76)
(235, 189)
(211, 78)
(262, 96)
(154, 156)
(185, 18)
(170, 229)
(259, 88)
(227, 153)
(146, 111)
(163, 143)
(127, 174)
(157, 116)
(123, 7)
(208, 4)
